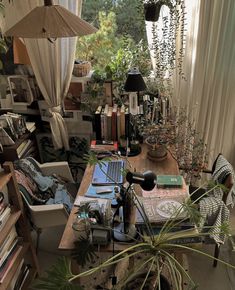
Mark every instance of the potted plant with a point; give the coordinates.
(153, 254)
(152, 8)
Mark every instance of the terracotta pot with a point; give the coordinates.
(158, 153)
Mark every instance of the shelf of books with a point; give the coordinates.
(7, 220)
(18, 260)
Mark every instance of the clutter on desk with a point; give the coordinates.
(107, 192)
(12, 127)
(93, 219)
(103, 146)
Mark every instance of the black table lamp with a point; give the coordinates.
(134, 83)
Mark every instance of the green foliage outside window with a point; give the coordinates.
(98, 48)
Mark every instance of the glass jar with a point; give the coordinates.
(81, 228)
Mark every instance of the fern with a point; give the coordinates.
(83, 252)
(57, 277)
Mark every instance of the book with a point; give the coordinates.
(106, 110)
(30, 126)
(24, 274)
(122, 120)
(25, 148)
(101, 191)
(114, 123)
(21, 146)
(109, 123)
(127, 123)
(169, 181)
(12, 285)
(102, 124)
(118, 124)
(182, 236)
(102, 145)
(98, 122)
(10, 248)
(3, 203)
(7, 242)
(4, 216)
(159, 210)
(179, 194)
(9, 263)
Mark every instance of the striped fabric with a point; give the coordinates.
(221, 170)
(213, 210)
(214, 214)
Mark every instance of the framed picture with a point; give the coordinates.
(73, 99)
(79, 145)
(20, 89)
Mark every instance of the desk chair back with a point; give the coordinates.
(222, 173)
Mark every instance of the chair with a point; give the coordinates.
(222, 173)
(43, 215)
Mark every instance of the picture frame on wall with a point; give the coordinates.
(79, 145)
(20, 90)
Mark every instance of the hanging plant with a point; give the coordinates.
(152, 9)
(168, 57)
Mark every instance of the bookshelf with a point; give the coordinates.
(25, 248)
(23, 147)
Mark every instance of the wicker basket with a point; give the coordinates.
(81, 69)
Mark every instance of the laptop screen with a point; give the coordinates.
(111, 172)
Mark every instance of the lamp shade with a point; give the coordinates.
(50, 21)
(147, 180)
(134, 81)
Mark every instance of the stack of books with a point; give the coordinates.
(20, 277)
(112, 122)
(5, 211)
(9, 249)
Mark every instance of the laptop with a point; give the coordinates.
(112, 169)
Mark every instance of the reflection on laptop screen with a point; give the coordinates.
(110, 173)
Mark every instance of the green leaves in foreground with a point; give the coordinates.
(91, 159)
(57, 277)
(84, 252)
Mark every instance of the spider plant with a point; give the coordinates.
(156, 252)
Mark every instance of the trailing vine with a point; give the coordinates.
(168, 57)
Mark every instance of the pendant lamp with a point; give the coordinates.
(50, 21)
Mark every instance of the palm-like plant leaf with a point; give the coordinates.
(91, 159)
(83, 252)
(57, 277)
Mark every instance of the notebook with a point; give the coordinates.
(110, 173)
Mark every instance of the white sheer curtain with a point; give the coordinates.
(210, 70)
(209, 66)
(52, 63)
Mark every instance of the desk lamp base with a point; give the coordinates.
(121, 236)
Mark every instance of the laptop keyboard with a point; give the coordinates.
(114, 171)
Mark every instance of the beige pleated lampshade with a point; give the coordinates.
(50, 22)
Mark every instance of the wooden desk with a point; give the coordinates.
(141, 163)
